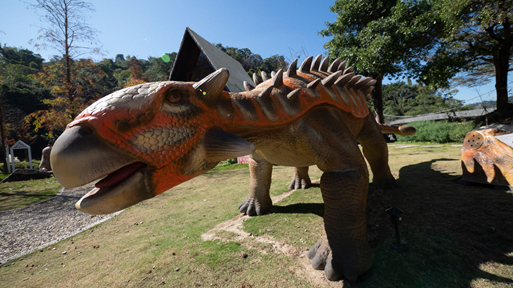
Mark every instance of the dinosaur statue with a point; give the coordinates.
(258, 201)
(143, 140)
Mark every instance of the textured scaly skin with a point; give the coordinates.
(151, 137)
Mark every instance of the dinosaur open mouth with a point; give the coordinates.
(120, 175)
(106, 184)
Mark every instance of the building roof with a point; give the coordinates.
(194, 50)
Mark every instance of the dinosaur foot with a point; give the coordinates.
(349, 261)
(301, 179)
(253, 206)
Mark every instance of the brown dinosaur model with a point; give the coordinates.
(145, 139)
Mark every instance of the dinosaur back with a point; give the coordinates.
(286, 96)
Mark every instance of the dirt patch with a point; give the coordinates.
(235, 225)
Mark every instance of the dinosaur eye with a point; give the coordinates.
(174, 97)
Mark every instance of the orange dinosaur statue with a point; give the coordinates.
(487, 157)
(143, 140)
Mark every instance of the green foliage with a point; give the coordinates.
(438, 132)
(478, 41)
(381, 38)
(402, 99)
(254, 63)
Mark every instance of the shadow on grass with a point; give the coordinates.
(458, 235)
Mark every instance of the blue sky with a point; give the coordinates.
(153, 27)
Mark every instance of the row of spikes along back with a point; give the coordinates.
(345, 89)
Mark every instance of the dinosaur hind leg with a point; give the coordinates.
(301, 179)
(375, 150)
(258, 201)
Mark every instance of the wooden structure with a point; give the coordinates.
(197, 58)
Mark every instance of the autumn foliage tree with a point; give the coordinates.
(67, 31)
(88, 81)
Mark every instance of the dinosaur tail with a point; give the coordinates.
(399, 130)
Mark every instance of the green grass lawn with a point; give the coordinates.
(458, 236)
(20, 194)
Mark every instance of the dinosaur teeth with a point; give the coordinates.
(344, 79)
(316, 62)
(342, 66)
(248, 87)
(273, 74)
(264, 76)
(324, 64)
(313, 84)
(334, 66)
(330, 80)
(293, 95)
(353, 81)
(305, 66)
(278, 79)
(267, 92)
(291, 72)
(256, 79)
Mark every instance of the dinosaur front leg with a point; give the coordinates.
(300, 180)
(343, 249)
(258, 201)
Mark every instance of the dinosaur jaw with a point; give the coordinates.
(80, 156)
(119, 190)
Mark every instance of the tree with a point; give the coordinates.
(89, 81)
(69, 34)
(413, 99)
(479, 33)
(20, 94)
(382, 38)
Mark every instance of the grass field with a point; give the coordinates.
(20, 194)
(457, 235)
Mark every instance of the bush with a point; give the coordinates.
(24, 165)
(438, 131)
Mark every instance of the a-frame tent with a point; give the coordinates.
(197, 58)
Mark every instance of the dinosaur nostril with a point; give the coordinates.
(85, 131)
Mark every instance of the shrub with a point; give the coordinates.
(438, 131)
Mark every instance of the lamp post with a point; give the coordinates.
(395, 218)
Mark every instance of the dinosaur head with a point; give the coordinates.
(140, 141)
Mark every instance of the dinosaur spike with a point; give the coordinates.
(278, 79)
(330, 80)
(353, 81)
(248, 87)
(313, 84)
(291, 72)
(342, 66)
(362, 83)
(344, 79)
(305, 66)
(267, 92)
(264, 76)
(293, 95)
(368, 92)
(324, 64)
(211, 87)
(334, 66)
(273, 74)
(348, 70)
(316, 62)
(256, 79)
